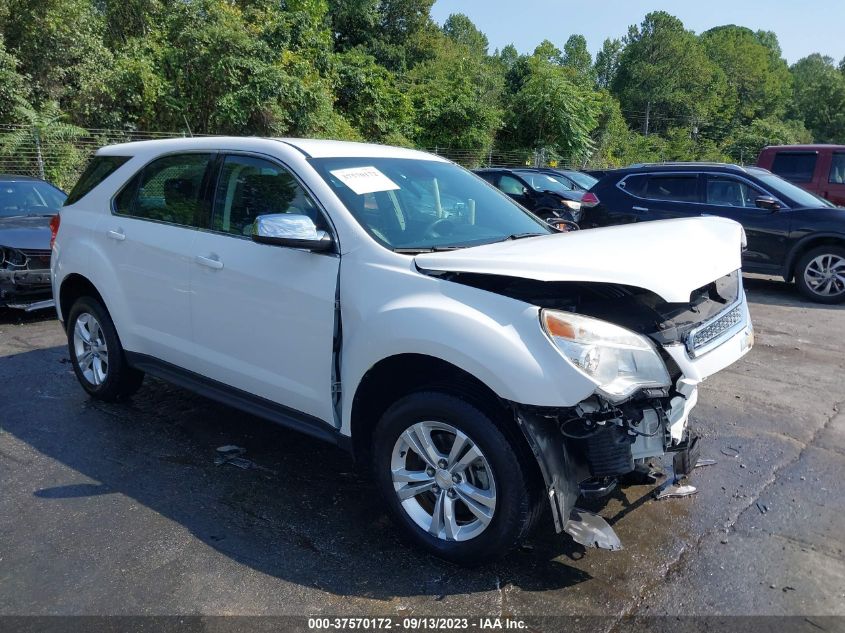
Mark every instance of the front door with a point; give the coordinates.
(264, 316)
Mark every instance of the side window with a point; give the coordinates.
(795, 166)
(837, 169)
(680, 188)
(100, 168)
(249, 187)
(168, 190)
(635, 185)
(724, 191)
(511, 185)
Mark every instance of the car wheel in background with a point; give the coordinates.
(820, 274)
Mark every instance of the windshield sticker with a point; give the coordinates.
(365, 180)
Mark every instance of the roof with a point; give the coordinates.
(813, 147)
(311, 148)
(652, 167)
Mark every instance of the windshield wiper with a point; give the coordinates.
(519, 236)
(426, 249)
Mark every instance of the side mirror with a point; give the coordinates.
(768, 203)
(292, 230)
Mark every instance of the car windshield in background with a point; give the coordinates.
(800, 196)
(409, 204)
(29, 197)
(546, 182)
(585, 181)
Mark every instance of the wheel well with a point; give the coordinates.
(810, 244)
(396, 376)
(73, 287)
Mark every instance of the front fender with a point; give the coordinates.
(496, 339)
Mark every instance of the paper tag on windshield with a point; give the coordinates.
(365, 180)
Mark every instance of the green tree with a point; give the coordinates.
(664, 76)
(369, 97)
(461, 29)
(578, 58)
(820, 97)
(607, 62)
(745, 143)
(758, 84)
(42, 132)
(13, 85)
(550, 111)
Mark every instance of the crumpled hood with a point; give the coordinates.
(668, 257)
(28, 233)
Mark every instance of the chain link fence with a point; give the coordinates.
(63, 161)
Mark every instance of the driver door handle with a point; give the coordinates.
(117, 235)
(210, 262)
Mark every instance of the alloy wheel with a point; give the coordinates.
(443, 481)
(89, 345)
(825, 275)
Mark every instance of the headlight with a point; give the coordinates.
(619, 360)
(571, 204)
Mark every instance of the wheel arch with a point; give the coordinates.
(72, 288)
(807, 243)
(396, 376)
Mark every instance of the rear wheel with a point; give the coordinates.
(453, 482)
(96, 354)
(820, 274)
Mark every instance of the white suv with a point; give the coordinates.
(481, 362)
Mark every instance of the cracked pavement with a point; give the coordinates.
(119, 509)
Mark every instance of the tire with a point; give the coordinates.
(113, 379)
(820, 274)
(500, 476)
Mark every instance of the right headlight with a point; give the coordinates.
(619, 360)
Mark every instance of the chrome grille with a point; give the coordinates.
(698, 339)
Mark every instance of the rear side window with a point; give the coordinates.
(100, 168)
(681, 188)
(795, 166)
(635, 185)
(837, 169)
(167, 190)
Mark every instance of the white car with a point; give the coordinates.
(387, 300)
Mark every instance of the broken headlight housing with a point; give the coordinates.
(619, 360)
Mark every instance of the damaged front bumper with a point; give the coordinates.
(598, 442)
(26, 289)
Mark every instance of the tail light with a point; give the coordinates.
(589, 200)
(54, 228)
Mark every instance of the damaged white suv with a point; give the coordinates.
(484, 364)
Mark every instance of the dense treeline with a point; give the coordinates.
(382, 70)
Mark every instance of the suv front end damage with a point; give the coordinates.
(588, 448)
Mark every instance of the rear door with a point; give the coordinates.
(834, 175)
(657, 196)
(149, 238)
(766, 230)
(263, 316)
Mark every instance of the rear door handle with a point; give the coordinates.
(639, 208)
(214, 263)
(117, 235)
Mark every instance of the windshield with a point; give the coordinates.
(29, 197)
(421, 205)
(546, 182)
(785, 188)
(585, 181)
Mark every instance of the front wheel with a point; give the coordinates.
(453, 482)
(820, 274)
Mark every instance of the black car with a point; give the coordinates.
(790, 232)
(545, 193)
(579, 180)
(27, 205)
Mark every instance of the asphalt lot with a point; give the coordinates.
(120, 509)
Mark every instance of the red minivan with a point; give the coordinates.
(820, 169)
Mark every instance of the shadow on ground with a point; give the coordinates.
(305, 516)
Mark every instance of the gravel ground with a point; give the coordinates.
(119, 509)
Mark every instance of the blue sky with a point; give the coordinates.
(803, 27)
